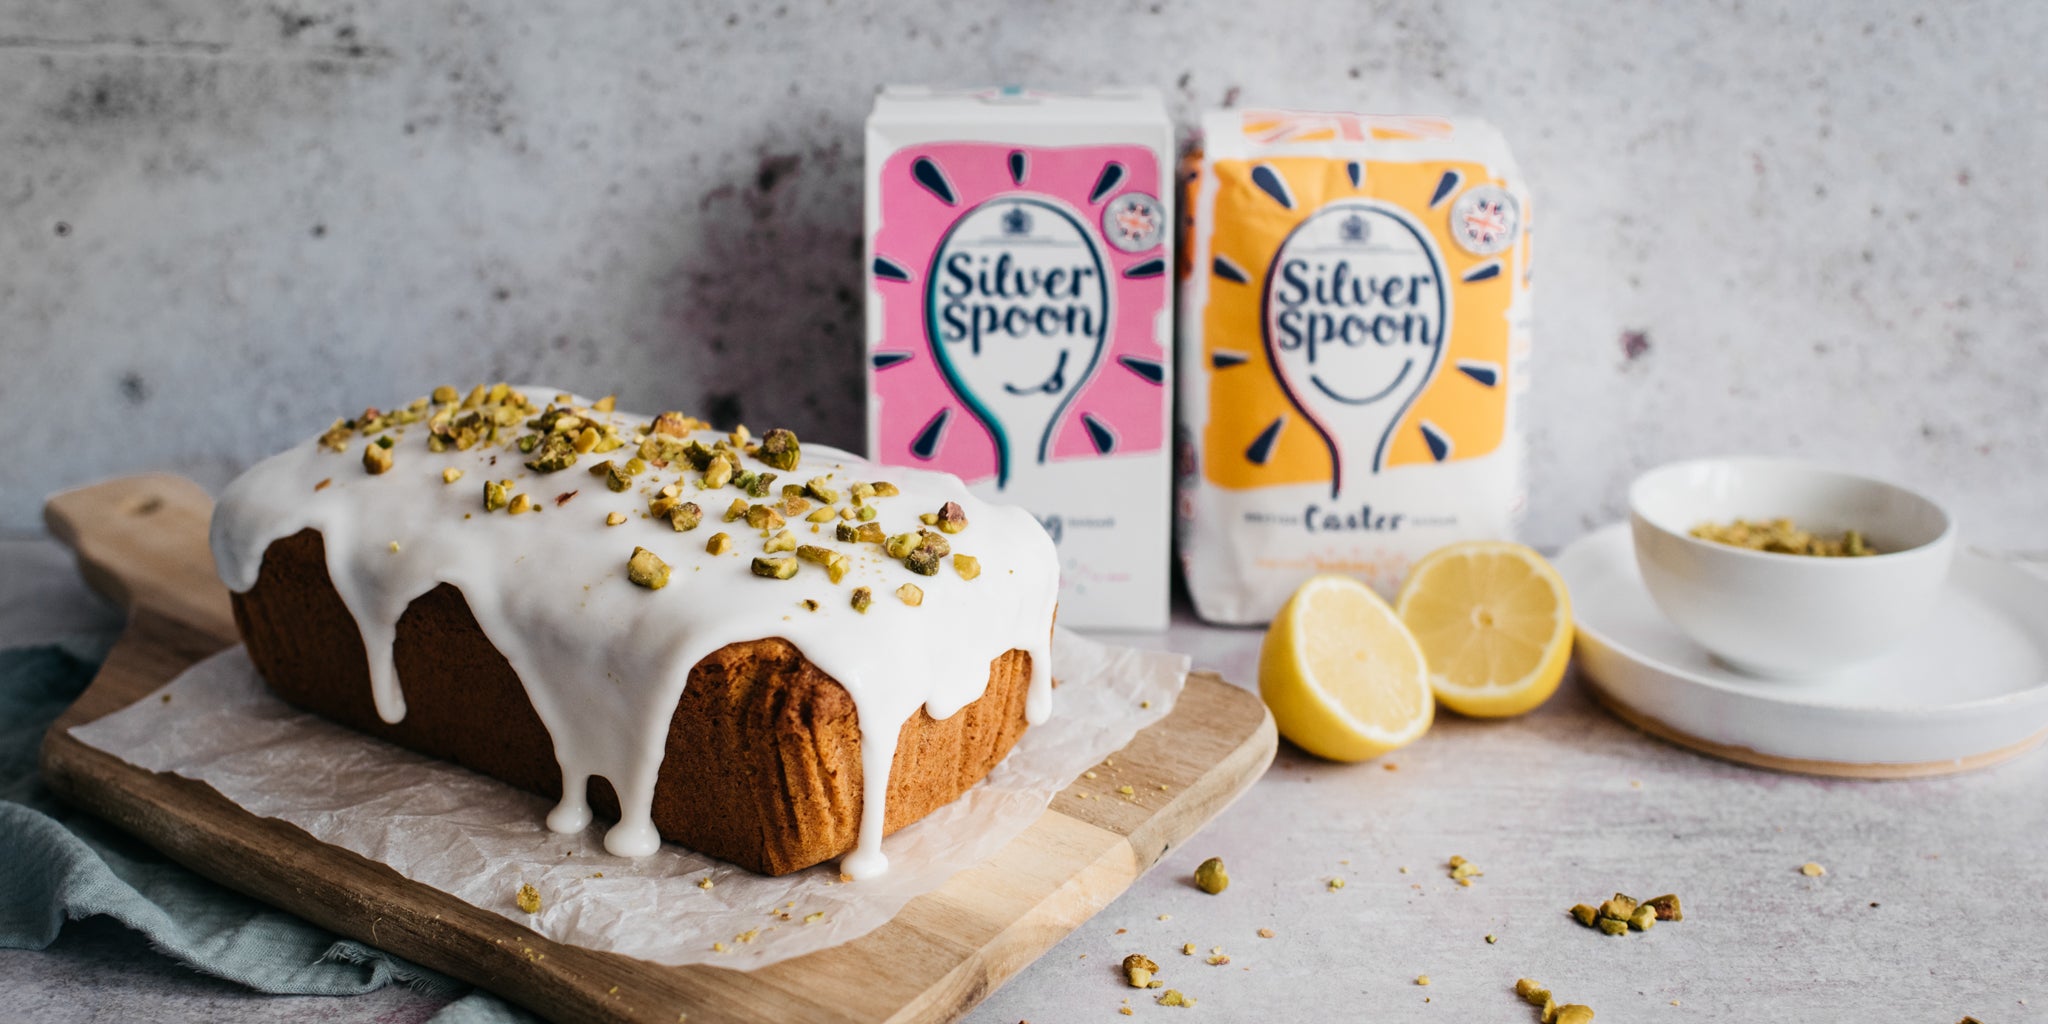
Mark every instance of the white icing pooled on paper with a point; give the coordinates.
(604, 661)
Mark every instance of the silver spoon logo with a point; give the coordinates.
(1017, 307)
(1355, 315)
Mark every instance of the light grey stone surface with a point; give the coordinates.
(221, 224)
(1930, 908)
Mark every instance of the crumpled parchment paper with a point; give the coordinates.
(480, 840)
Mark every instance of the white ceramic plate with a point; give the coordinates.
(1969, 688)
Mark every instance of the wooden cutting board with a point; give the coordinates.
(142, 541)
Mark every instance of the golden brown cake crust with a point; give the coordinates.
(763, 762)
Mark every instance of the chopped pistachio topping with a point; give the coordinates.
(821, 514)
(1173, 997)
(775, 568)
(1667, 907)
(782, 541)
(820, 488)
(835, 563)
(606, 404)
(901, 545)
(586, 440)
(1138, 970)
(885, 489)
(555, 452)
(845, 533)
(862, 598)
(1643, 918)
(614, 518)
(446, 394)
(1613, 926)
(718, 471)
(928, 518)
(376, 458)
(1812, 870)
(661, 449)
(866, 513)
(861, 492)
(910, 594)
(779, 448)
(1210, 876)
(664, 501)
(795, 505)
(967, 566)
(951, 518)
(646, 569)
(519, 505)
(336, 437)
(675, 424)
(496, 494)
(762, 517)
(930, 551)
(719, 544)
(870, 533)
(736, 510)
(1585, 914)
(686, 516)
(759, 484)
(450, 475)
(617, 477)
(1573, 1013)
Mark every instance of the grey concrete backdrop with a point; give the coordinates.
(1816, 231)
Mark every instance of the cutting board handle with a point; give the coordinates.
(141, 541)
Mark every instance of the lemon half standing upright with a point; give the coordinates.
(1495, 624)
(1343, 677)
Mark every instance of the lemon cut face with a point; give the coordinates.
(1495, 625)
(1343, 677)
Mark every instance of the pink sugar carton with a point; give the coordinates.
(1019, 269)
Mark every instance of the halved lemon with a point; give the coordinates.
(1342, 675)
(1495, 624)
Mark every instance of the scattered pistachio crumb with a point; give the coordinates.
(862, 598)
(1812, 870)
(1336, 883)
(1173, 997)
(967, 566)
(1219, 959)
(1126, 790)
(705, 882)
(814, 917)
(718, 947)
(1265, 933)
(614, 518)
(376, 458)
(528, 898)
(775, 568)
(450, 475)
(1138, 970)
(1187, 949)
(910, 594)
(719, 544)
(1210, 876)
(646, 569)
(394, 547)
(1422, 979)
(1491, 939)
(521, 503)
(323, 484)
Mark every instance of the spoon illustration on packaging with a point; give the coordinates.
(1354, 316)
(1017, 309)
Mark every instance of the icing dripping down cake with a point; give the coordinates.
(771, 652)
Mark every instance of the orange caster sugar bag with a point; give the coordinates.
(1354, 350)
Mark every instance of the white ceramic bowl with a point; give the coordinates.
(1788, 616)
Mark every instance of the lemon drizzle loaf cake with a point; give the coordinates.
(771, 652)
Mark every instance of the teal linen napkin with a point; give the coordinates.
(65, 865)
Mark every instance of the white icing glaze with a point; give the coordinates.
(604, 661)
